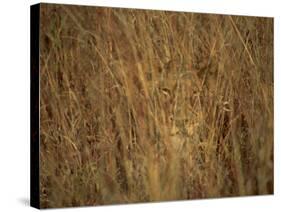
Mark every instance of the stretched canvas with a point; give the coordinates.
(131, 105)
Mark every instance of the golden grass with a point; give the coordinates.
(140, 105)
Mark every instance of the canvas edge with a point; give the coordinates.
(112, 6)
(34, 106)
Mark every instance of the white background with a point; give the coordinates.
(15, 98)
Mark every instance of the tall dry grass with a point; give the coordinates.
(140, 105)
